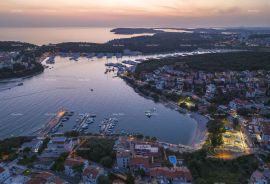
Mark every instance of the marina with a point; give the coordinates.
(83, 121)
(107, 125)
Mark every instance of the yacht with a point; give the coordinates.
(148, 114)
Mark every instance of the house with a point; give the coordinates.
(4, 174)
(146, 149)
(265, 133)
(140, 162)
(60, 145)
(34, 145)
(122, 159)
(71, 162)
(160, 84)
(91, 174)
(257, 178)
(46, 178)
(178, 175)
(44, 163)
(16, 179)
(236, 104)
(211, 88)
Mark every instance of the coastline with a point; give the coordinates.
(20, 78)
(200, 134)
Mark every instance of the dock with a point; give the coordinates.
(52, 124)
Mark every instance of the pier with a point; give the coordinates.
(52, 124)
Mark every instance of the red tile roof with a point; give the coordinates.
(140, 160)
(91, 170)
(2, 169)
(58, 180)
(74, 161)
(176, 172)
(45, 177)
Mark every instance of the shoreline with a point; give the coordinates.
(200, 134)
(20, 78)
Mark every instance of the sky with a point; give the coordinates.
(134, 13)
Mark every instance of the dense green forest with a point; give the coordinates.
(209, 170)
(213, 62)
(98, 150)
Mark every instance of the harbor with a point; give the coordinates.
(107, 125)
(83, 121)
(61, 87)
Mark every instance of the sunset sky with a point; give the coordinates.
(143, 13)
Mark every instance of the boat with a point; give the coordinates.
(107, 125)
(92, 89)
(93, 115)
(91, 120)
(20, 84)
(50, 60)
(148, 114)
(85, 126)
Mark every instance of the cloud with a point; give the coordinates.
(15, 11)
(230, 10)
(254, 11)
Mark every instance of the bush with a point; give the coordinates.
(106, 162)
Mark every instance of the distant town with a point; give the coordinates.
(224, 86)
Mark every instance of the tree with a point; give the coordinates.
(155, 97)
(236, 124)
(141, 172)
(130, 179)
(103, 180)
(59, 163)
(27, 150)
(139, 136)
(215, 129)
(212, 108)
(97, 148)
(106, 161)
(44, 145)
(154, 139)
(78, 168)
(72, 134)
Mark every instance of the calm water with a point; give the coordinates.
(26, 108)
(45, 35)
